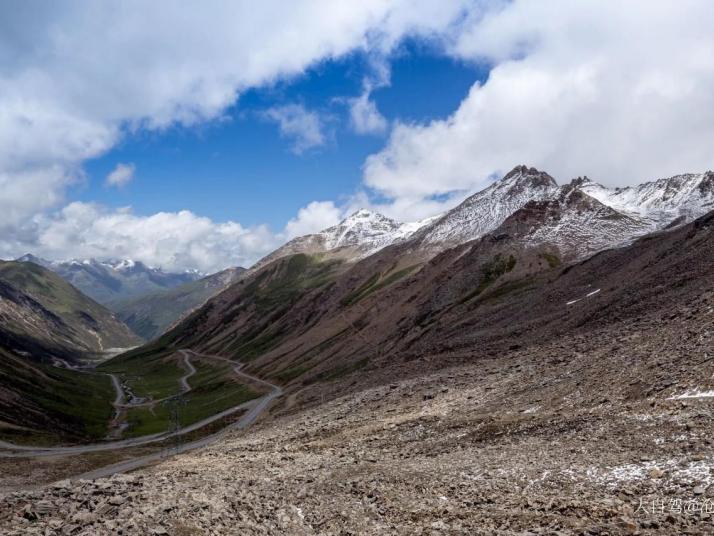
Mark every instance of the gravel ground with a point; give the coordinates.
(487, 449)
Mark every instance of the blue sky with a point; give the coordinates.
(108, 105)
(241, 168)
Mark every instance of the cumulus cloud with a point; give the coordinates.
(315, 217)
(302, 127)
(620, 92)
(365, 117)
(62, 101)
(172, 240)
(121, 175)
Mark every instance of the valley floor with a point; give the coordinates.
(511, 445)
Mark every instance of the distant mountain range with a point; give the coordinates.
(47, 329)
(112, 281)
(151, 314)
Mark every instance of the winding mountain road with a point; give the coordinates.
(185, 387)
(255, 408)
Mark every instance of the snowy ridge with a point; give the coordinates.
(597, 218)
(485, 211)
(660, 202)
(575, 223)
(580, 218)
(117, 265)
(368, 231)
(359, 235)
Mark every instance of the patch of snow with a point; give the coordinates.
(661, 201)
(693, 394)
(695, 472)
(589, 294)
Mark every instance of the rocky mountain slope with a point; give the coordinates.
(38, 304)
(641, 209)
(355, 237)
(576, 224)
(560, 399)
(486, 210)
(108, 282)
(303, 318)
(47, 327)
(151, 314)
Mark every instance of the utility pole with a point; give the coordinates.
(174, 404)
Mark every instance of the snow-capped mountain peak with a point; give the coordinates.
(123, 264)
(486, 210)
(359, 229)
(660, 202)
(362, 233)
(109, 281)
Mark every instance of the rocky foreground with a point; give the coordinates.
(588, 437)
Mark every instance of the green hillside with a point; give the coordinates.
(65, 317)
(152, 314)
(45, 405)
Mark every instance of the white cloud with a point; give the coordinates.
(303, 127)
(121, 175)
(619, 91)
(172, 240)
(622, 92)
(365, 117)
(315, 217)
(77, 77)
(24, 192)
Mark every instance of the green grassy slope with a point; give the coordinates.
(261, 299)
(148, 374)
(213, 391)
(152, 314)
(274, 306)
(89, 327)
(156, 375)
(44, 321)
(42, 404)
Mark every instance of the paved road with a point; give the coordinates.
(255, 407)
(185, 387)
(244, 422)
